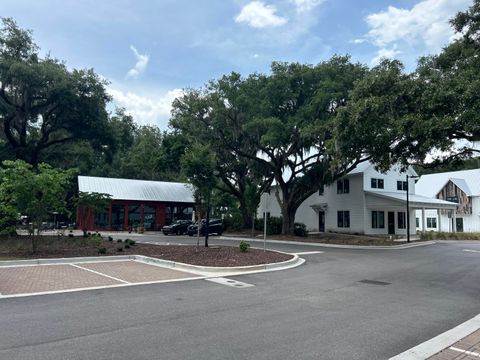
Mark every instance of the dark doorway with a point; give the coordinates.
(391, 222)
(321, 221)
(459, 224)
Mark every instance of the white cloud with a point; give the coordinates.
(258, 15)
(358, 41)
(425, 24)
(306, 5)
(140, 66)
(385, 53)
(153, 110)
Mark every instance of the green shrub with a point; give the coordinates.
(233, 222)
(127, 246)
(300, 229)
(102, 250)
(132, 242)
(70, 235)
(274, 225)
(244, 245)
(120, 248)
(110, 238)
(119, 240)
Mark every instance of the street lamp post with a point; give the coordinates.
(408, 206)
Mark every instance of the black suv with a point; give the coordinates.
(178, 227)
(215, 226)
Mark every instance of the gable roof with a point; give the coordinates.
(467, 180)
(142, 190)
(364, 166)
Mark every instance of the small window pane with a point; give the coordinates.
(346, 186)
(380, 183)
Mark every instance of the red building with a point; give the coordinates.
(152, 204)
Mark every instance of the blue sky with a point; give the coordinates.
(150, 50)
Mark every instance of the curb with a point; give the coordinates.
(440, 342)
(195, 269)
(359, 247)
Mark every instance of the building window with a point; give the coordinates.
(431, 222)
(343, 219)
(402, 185)
(378, 220)
(343, 186)
(417, 222)
(402, 220)
(377, 183)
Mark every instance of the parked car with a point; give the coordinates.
(178, 227)
(215, 226)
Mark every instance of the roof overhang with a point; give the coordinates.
(415, 201)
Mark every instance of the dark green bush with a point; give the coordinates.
(233, 223)
(119, 240)
(244, 245)
(120, 248)
(110, 238)
(127, 246)
(132, 242)
(102, 250)
(274, 225)
(300, 229)
(70, 235)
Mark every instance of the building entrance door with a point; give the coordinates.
(321, 221)
(459, 224)
(391, 222)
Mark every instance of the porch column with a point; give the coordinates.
(439, 216)
(454, 220)
(125, 220)
(423, 220)
(110, 217)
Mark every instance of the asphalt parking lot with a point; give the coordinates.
(341, 304)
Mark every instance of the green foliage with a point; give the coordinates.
(110, 238)
(119, 240)
(119, 248)
(439, 235)
(70, 235)
(43, 103)
(244, 246)
(90, 202)
(233, 222)
(127, 246)
(300, 230)
(274, 225)
(102, 250)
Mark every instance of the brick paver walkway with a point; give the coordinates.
(42, 278)
(466, 349)
(132, 271)
(46, 278)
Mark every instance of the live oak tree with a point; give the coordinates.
(42, 103)
(215, 116)
(281, 125)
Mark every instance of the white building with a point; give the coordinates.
(461, 187)
(364, 201)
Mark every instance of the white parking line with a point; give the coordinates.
(464, 351)
(469, 250)
(99, 273)
(229, 282)
(309, 253)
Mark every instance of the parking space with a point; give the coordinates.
(466, 349)
(35, 279)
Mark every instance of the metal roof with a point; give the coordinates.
(431, 184)
(415, 200)
(142, 190)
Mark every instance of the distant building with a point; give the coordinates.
(365, 201)
(461, 187)
(152, 204)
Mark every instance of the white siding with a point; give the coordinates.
(471, 223)
(390, 179)
(375, 203)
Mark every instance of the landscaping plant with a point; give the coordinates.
(244, 245)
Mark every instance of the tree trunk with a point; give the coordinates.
(246, 216)
(288, 218)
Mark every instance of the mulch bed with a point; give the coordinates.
(55, 247)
